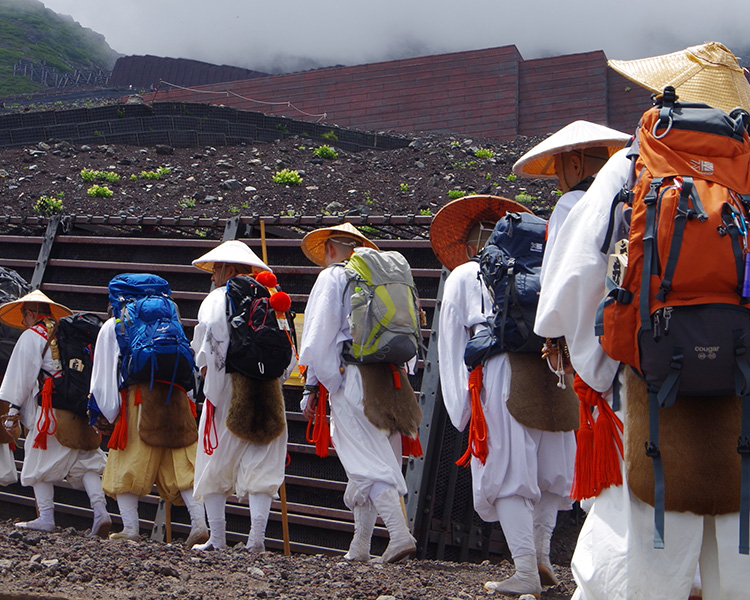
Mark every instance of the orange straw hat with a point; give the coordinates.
(539, 162)
(452, 224)
(707, 73)
(11, 313)
(313, 244)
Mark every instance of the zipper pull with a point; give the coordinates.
(667, 311)
(656, 328)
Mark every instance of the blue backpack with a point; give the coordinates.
(510, 263)
(153, 345)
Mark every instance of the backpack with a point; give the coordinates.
(260, 344)
(675, 310)
(384, 320)
(152, 342)
(76, 338)
(509, 265)
(12, 287)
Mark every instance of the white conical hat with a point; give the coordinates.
(233, 252)
(11, 312)
(539, 162)
(707, 73)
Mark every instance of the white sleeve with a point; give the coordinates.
(105, 382)
(574, 281)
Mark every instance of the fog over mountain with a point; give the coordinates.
(299, 34)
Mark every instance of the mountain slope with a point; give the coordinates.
(31, 32)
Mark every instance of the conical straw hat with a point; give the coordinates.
(234, 252)
(11, 312)
(452, 224)
(313, 244)
(539, 162)
(707, 73)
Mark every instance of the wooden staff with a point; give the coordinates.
(282, 488)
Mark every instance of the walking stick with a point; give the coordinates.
(284, 519)
(282, 489)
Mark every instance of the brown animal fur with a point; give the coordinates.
(162, 424)
(535, 401)
(256, 412)
(73, 431)
(387, 407)
(698, 443)
(5, 436)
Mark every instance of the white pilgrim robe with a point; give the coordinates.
(20, 386)
(235, 466)
(521, 461)
(614, 558)
(369, 455)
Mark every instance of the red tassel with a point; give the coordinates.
(396, 376)
(209, 430)
(266, 278)
(318, 423)
(280, 302)
(119, 438)
(599, 444)
(477, 446)
(46, 423)
(411, 446)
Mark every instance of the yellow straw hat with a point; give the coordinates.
(313, 244)
(234, 252)
(707, 73)
(453, 223)
(11, 313)
(539, 162)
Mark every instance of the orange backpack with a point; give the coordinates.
(676, 310)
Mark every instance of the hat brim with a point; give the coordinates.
(707, 73)
(11, 313)
(539, 162)
(313, 244)
(231, 252)
(452, 224)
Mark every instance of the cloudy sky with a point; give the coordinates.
(273, 36)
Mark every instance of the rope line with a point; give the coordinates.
(227, 93)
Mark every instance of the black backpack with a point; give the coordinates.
(76, 337)
(258, 346)
(510, 263)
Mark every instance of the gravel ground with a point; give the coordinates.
(67, 564)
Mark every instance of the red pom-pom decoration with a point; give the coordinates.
(266, 278)
(280, 301)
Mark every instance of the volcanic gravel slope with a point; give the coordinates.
(232, 180)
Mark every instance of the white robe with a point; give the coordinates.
(20, 387)
(235, 466)
(614, 558)
(522, 461)
(369, 455)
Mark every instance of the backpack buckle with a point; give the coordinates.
(652, 450)
(743, 445)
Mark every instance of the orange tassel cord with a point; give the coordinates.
(318, 432)
(599, 444)
(477, 446)
(119, 438)
(46, 423)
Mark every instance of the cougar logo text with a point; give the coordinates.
(706, 352)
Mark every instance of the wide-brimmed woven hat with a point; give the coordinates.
(11, 313)
(539, 162)
(707, 73)
(234, 252)
(452, 224)
(313, 244)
